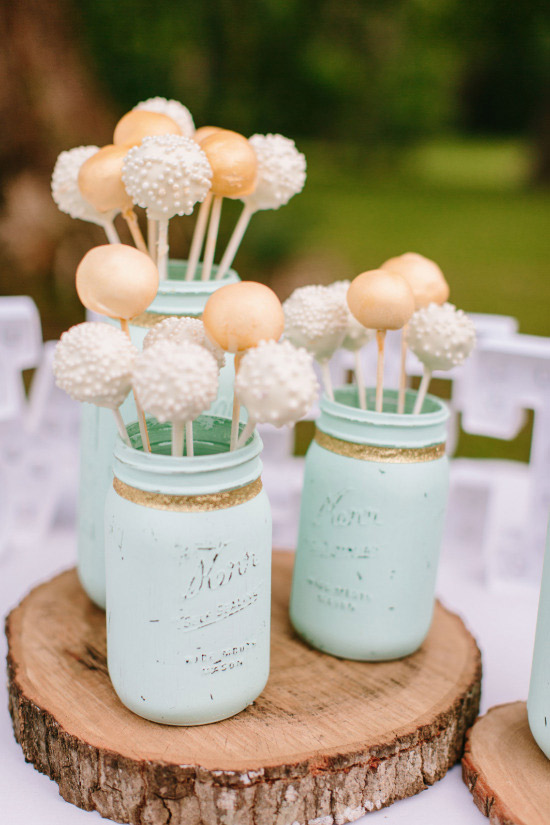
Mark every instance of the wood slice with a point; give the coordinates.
(327, 740)
(506, 772)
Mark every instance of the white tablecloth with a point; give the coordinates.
(502, 622)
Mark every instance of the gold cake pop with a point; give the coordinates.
(236, 318)
(100, 183)
(429, 286)
(424, 277)
(137, 124)
(116, 280)
(234, 171)
(205, 132)
(380, 300)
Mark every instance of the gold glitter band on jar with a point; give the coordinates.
(188, 504)
(151, 319)
(388, 455)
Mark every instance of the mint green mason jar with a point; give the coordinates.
(538, 703)
(175, 296)
(371, 524)
(188, 562)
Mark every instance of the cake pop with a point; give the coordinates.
(138, 124)
(276, 383)
(380, 300)
(237, 317)
(68, 197)
(355, 338)
(281, 175)
(205, 131)
(182, 329)
(234, 170)
(173, 109)
(176, 382)
(167, 175)
(428, 285)
(93, 364)
(441, 337)
(100, 183)
(120, 282)
(316, 319)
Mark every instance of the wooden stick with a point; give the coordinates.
(212, 237)
(422, 390)
(177, 438)
(152, 232)
(402, 373)
(234, 241)
(131, 219)
(110, 231)
(189, 448)
(380, 340)
(122, 431)
(162, 249)
(198, 237)
(236, 407)
(327, 380)
(246, 433)
(140, 414)
(361, 391)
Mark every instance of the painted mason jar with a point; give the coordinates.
(538, 703)
(371, 524)
(175, 296)
(188, 558)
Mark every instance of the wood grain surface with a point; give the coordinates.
(506, 772)
(326, 741)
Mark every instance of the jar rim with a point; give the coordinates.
(340, 407)
(177, 285)
(165, 464)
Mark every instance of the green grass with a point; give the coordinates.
(466, 205)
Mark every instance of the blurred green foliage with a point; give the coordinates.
(365, 71)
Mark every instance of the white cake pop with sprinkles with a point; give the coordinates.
(93, 363)
(276, 383)
(441, 337)
(356, 334)
(175, 382)
(281, 172)
(167, 175)
(171, 108)
(315, 319)
(65, 191)
(178, 330)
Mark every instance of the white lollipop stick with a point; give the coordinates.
(177, 438)
(140, 414)
(189, 438)
(162, 249)
(422, 390)
(122, 431)
(246, 433)
(212, 237)
(110, 231)
(402, 372)
(131, 219)
(198, 237)
(235, 241)
(236, 408)
(361, 391)
(327, 380)
(152, 230)
(380, 340)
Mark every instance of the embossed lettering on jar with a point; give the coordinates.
(371, 523)
(188, 563)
